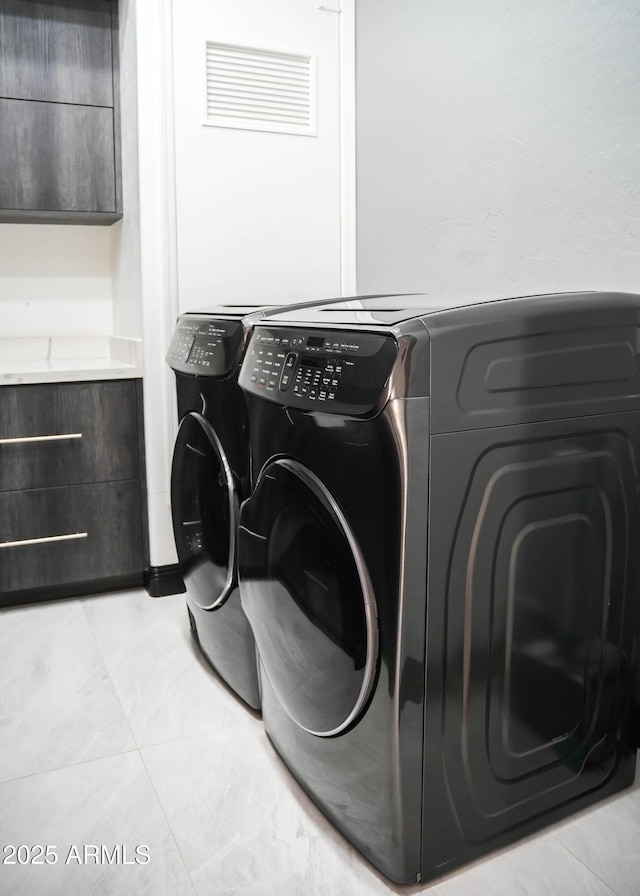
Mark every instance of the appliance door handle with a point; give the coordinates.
(22, 440)
(46, 540)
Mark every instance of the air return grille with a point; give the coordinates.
(260, 89)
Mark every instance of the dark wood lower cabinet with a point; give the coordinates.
(76, 534)
(72, 497)
(68, 433)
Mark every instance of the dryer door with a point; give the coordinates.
(306, 591)
(204, 507)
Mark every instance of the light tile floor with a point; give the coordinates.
(114, 734)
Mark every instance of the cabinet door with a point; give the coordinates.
(68, 433)
(56, 157)
(56, 52)
(60, 536)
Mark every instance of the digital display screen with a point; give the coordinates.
(315, 342)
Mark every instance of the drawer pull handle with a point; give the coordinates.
(47, 540)
(58, 438)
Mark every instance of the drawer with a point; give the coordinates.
(61, 536)
(67, 434)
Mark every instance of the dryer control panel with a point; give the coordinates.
(326, 370)
(204, 346)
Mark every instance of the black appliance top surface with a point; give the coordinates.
(375, 311)
(268, 305)
(362, 310)
(482, 363)
(231, 312)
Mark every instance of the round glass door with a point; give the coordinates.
(204, 510)
(306, 591)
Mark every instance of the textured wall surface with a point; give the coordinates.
(55, 279)
(498, 145)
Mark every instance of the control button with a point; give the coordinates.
(332, 396)
(289, 364)
(254, 379)
(261, 381)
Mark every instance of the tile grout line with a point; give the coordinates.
(589, 869)
(61, 768)
(108, 671)
(138, 748)
(142, 746)
(168, 823)
(80, 601)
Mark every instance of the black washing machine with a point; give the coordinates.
(439, 562)
(209, 479)
(210, 476)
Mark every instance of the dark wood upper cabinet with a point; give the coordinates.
(56, 52)
(64, 157)
(59, 112)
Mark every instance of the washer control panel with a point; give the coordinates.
(322, 370)
(204, 346)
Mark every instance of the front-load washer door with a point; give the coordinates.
(306, 591)
(204, 507)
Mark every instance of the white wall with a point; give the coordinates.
(498, 145)
(258, 214)
(55, 280)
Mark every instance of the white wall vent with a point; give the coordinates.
(260, 89)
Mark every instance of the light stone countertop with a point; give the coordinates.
(63, 359)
